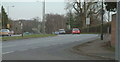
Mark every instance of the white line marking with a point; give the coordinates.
(8, 52)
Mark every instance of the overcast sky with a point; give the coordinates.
(32, 0)
(27, 9)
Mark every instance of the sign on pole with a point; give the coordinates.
(87, 21)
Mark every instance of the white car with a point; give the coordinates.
(5, 32)
(62, 31)
(56, 32)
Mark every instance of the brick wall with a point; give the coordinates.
(113, 32)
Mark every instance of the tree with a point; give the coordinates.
(4, 18)
(111, 6)
(0, 20)
(54, 22)
(83, 10)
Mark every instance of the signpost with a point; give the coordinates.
(88, 23)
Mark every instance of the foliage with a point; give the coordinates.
(111, 6)
(90, 10)
(31, 26)
(4, 18)
(0, 20)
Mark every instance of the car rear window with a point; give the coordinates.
(75, 29)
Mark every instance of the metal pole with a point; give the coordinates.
(117, 52)
(102, 23)
(44, 17)
(21, 26)
(8, 10)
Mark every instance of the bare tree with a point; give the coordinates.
(54, 22)
(85, 10)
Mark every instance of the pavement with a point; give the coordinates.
(95, 48)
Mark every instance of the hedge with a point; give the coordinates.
(97, 28)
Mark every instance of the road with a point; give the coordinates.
(48, 48)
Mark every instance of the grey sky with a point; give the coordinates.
(32, 0)
(28, 10)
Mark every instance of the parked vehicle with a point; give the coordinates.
(56, 32)
(69, 31)
(26, 33)
(5, 32)
(62, 31)
(75, 31)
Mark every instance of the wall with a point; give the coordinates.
(113, 32)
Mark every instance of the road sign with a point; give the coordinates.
(8, 25)
(87, 21)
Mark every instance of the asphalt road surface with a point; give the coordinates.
(48, 48)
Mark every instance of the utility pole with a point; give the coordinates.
(102, 22)
(69, 24)
(8, 10)
(43, 17)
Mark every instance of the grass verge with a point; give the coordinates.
(26, 37)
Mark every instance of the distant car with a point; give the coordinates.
(5, 32)
(56, 32)
(62, 31)
(26, 33)
(75, 31)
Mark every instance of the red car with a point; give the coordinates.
(75, 31)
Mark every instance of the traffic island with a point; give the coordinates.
(96, 48)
